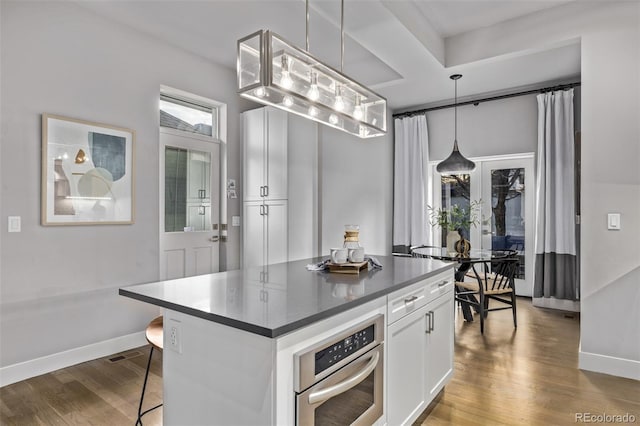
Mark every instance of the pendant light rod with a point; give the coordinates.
(307, 26)
(455, 78)
(341, 35)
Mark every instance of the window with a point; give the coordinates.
(188, 116)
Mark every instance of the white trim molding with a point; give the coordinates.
(46, 364)
(620, 367)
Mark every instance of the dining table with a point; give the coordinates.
(464, 264)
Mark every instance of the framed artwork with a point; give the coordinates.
(87, 173)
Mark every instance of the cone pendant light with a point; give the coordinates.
(455, 163)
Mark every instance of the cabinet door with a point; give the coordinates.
(253, 136)
(406, 368)
(439, 344)
(253, 247)
(276, 232)
(276, 154)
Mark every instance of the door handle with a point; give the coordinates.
(331, 391)
(486, 232)
(214, 239)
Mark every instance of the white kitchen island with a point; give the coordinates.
(231, 338)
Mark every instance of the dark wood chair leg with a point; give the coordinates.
(483, 313)
(513, 308)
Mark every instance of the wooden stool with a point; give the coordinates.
(154, 337)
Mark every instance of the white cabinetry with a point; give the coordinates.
(265, 207)
(420, 346)
(264, 154)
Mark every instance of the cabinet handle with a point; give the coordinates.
(410, 299)
(428, 330)
(432, 323)
(262, 191)
(261, 210)
(443, 283)
(266, 190)
(266, 210)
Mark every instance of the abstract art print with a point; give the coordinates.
(87, 172)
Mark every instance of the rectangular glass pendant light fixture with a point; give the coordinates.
(272, 71)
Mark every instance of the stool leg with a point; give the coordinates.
(144, 386)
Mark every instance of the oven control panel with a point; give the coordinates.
(336, 352)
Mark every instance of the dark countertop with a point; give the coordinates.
(277, 299)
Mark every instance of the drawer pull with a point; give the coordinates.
(410, 299)
(443, 283)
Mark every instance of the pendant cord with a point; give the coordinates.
(341, 35)
(307, 27)
(455, 112)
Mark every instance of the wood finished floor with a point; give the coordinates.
(506, 377)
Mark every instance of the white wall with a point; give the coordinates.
(609, 33)
(303, 187)
(508, 126)
(59, 284)
(356, 188)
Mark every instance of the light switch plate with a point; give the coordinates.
(14, 223)
(613, 221)
(235, 220)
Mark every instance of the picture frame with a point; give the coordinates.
(87, 173)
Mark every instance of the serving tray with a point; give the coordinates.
(347, 268)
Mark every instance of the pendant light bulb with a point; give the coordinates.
(285, 80)
(333, 119)
(339, 102)
(260, 92)
(314, 92)
(357, 110)
(313, 111)
(287, 101)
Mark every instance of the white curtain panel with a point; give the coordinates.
(555, 241)
(410, 226)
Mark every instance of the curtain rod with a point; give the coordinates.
(491, 98)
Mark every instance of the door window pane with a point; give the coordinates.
(456, 191)
(507, 206)
(188, 116)
(187, 190)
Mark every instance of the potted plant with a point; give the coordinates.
(455, 220)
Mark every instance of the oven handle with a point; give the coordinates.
(330, 392)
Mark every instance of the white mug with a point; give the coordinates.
(356, 255)
(339, 255)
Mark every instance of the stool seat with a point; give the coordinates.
(154, 333)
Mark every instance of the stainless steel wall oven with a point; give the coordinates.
(339, 381)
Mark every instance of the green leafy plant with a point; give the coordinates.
(456, 217)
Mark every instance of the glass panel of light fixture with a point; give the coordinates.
(295, 73)
(249, 61)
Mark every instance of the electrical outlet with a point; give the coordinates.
(175, 336)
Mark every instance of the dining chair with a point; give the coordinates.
(491, 280)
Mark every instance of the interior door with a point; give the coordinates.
(509, 186)
(189, 206)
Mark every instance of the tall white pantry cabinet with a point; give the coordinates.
(265, 182)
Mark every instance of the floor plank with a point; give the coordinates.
(527, 376)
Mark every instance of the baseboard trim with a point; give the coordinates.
(46, 364)
(620, 367)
